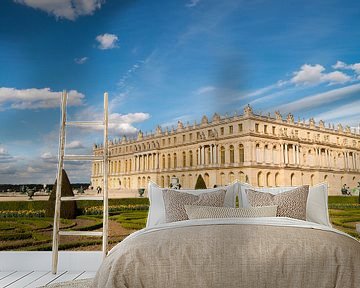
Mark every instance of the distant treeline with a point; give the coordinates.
(36, 187)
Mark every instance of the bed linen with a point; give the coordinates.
(233, 252)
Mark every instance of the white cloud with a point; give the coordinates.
(49, 157)
(75, 145)
(5, 157)
(203, 90)
(342, 65)
(347, 110)
(107, 41)
(34, 98)
(122, 124)
(81, 60)
(314, 74)
(192, 3)
(319, 99)
(68, 9)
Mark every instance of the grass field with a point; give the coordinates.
(22, 229)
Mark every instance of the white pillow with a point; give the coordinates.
(317, 202)
(156, 214)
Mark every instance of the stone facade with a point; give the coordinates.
(261, 150)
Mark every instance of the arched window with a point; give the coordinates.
(231, 177)
(260, 179)
(184, 159)
(231, 154)
(143, 182)
(242, 176)
(268, 179)
(292, 179)
(162, 181)
(241, 153)
(222, 155)
(175, 160)
(191, 158)
(222, 179)
(277, 179)
(257, 152)
(139, 182)
(169, 161)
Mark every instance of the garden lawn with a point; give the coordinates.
(126, 216)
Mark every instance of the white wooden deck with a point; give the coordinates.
(32, 269)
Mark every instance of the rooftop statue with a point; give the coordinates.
(204, 120)
(248, 110)
(278, 116)
(290, 118)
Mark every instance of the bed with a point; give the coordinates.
(233, 252)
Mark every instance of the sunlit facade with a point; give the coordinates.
(261, 150)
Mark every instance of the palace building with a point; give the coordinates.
(261, 150)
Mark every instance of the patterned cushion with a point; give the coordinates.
(201, 212)
(290, 204)
(175, 201)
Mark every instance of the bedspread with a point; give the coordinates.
(253, 252)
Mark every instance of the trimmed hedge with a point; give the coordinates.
(343, 199)
(41, 205)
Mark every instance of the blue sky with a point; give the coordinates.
(164, 61)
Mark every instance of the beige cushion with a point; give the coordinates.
(201, 212)
(175, 201)
(290, 204)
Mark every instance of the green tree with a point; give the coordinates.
(200, 183)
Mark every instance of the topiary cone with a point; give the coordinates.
(68, 208)
(200, 183)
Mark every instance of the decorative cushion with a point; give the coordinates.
(290, 204)
(156, 214)
(175, 202)
(316, 206)
(201, 212)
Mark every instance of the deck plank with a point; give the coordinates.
(28, 279)
(68, 276)
(13, 277)
(87, 275)
(4, 274)
(46, 279)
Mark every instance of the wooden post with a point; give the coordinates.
(105, 175)
(55, 243)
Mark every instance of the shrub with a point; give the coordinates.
(98, 210)
(22, 214)
(68, 208)
(15, 236)
(200, 183)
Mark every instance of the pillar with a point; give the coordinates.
(286, 154)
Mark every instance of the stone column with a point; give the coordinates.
(211, 154)
(215, 154)
(203, 156)
(294, 152)
(199, 156)
(286, 154)
(281, 154)
(298, 154)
